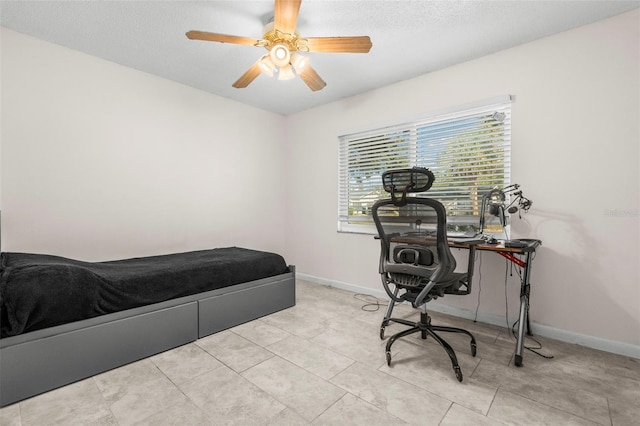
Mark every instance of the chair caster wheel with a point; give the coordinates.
(473, 349)
(388, 354)
(382, 333)
(458, 373)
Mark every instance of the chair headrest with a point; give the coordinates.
(404, 181)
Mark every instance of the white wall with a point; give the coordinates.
(100, 161)
(575, 148)
(103, 162)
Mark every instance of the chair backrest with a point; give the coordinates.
(414, 250)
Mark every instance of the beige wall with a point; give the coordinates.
(575, 151)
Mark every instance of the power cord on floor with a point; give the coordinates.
(530, 348)
(372, 303)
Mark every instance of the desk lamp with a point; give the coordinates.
(494, 201)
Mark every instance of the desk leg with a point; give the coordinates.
(525, 289)
(471, 265)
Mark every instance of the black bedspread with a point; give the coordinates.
(40, 291)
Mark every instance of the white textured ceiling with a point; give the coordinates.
(409, 38)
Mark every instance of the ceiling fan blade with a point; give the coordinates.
(311, 78)
(285, 15)
(221, 38)
(359, 44)
(246, 78)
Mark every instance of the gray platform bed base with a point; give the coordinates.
(43, 360)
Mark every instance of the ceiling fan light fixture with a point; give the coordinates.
(299, 62)
(283, 44)
(280, 54)
(267, 67)
(286, 73)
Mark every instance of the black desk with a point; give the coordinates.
(513, 255)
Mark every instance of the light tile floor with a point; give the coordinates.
(322, 362)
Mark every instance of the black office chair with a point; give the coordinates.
(416, 264)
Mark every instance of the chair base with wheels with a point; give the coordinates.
(425, 327)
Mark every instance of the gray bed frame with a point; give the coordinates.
(43, 360)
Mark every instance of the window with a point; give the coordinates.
(468, 150)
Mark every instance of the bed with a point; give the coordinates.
(64, 320)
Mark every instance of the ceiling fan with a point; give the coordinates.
(284, 44)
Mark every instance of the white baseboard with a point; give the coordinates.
(612, 346)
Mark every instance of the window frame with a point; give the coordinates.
(376, 141)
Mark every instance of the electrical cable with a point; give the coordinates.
(530, 348)
(370, 305)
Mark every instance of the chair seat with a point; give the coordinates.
(458, 284)
(460, 280)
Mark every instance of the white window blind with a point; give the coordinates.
(468, 150)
